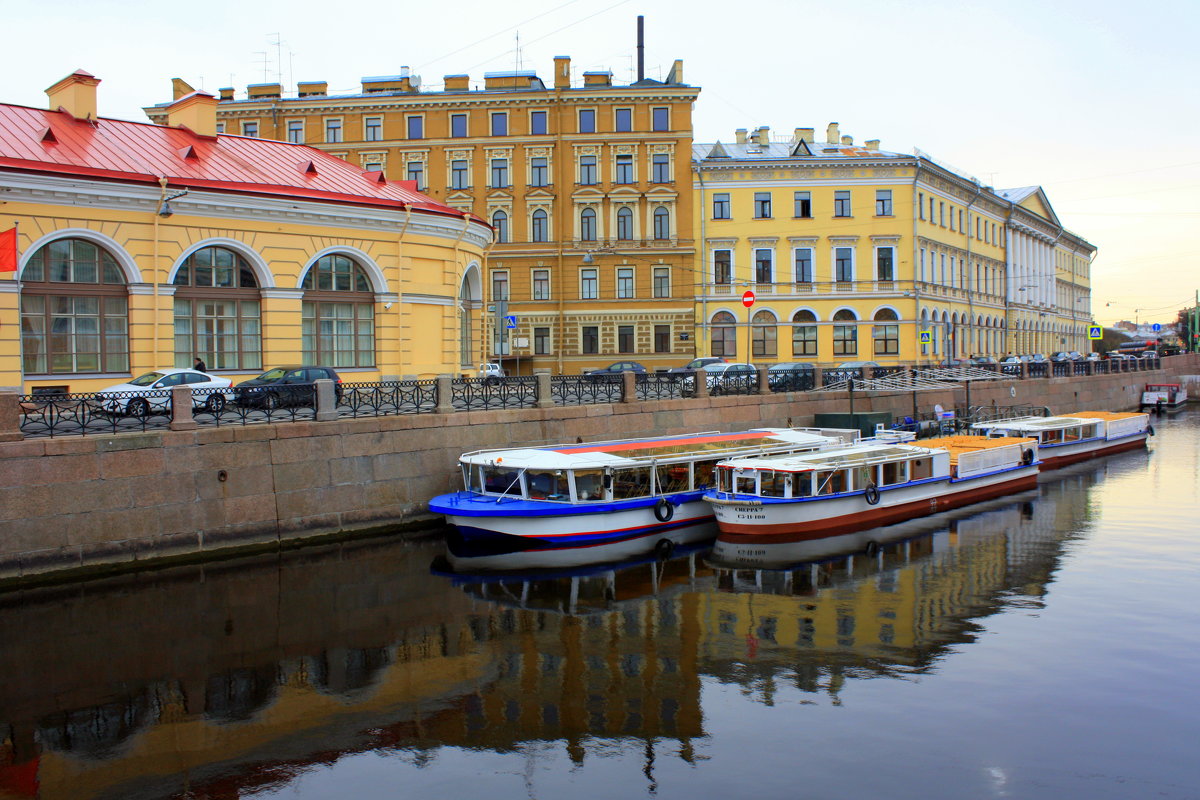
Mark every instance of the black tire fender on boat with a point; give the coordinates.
(871, 493)
(1027, 457)
(663, 510)
(664, 549)
(1150, 429)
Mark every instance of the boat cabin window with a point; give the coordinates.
(1072, 434)
(833, 482)
(1052, 437)
(745, 484)
(893, 472)
(547, 485)
(703, 470)
(673, 478)
(589, 484)
(863, 477)
(802, 484)
(773, 484)
(1091, 431)
(629, 483)
(501, 480)
(922, 468)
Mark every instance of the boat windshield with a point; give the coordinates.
(630, 483)
(499, 479)
(589, 484)
(547, 485)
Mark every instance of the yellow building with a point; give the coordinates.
(145, 246)
(586, 183)
(854, 253)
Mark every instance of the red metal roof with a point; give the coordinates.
(38, 140)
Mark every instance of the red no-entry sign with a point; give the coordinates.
(748, 298)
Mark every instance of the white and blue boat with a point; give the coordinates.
(572, 502)
(1070, 438)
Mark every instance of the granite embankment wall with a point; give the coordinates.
(102, 502)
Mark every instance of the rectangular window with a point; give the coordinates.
(720, 205)
(885, 264)
(662, 281)
(499, 285)
(883, 202)
(541, 284)
(587, 120)
(843, 261)
(416, 172)
(941, 212)
(373, 129)
(662, 338)
(251, 129)
(590, 338)
(624, 338)
(499, 173)
(458, 126)
(804, 265)
(660, 168)
(886, 340)
(952, 217)
(841, 204)
(373, 166)
(337, 334)
(845, 340)
(763, 265)
(541, 341)
(624, 120)
(660, 119)
(804, 339)
(220, 127)
(539, 171)
(416, 127)
(921, 204)
(333, 130)
(537, 123)
(459, 176)
(762, 205)
(589, 284)
(295, 131)
(499, 123)
(803, 203)
(624, 169)
(922, 273)
(961, 229)
(624, 283)
(723, 267)
(587, 170)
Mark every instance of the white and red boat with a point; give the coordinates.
(571, 504)
(870, 483)
(1168, 397)
(1075, 437)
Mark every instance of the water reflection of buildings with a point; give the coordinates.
(220, 681)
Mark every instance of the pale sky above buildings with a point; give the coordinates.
(1095, 101)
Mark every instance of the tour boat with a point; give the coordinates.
(624, 497)
(872, 482)
(1075, 437)
(1169, 397)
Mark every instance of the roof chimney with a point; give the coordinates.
(803, 135)
(227, 94)
(641, 48)
(740, 133)
(831, 133)
(562, 72)
(197, 112)
(871, 144)
(847, 140)
(763, 136)
(75, 94)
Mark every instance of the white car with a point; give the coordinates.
(151, 393)
(725, 378)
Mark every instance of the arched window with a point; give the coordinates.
(763, 335)
(724, 335)
(886, 334)
(624, 223)
(337, 325)
(845, 336)
(539, 227)
(662, 223)
(74, 311)
(500, 224)
(587, 225)
(218, 313)
(804, 334)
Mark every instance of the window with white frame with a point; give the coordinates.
(804, 334)
(416, 127)
(587, 120)
(624, 169)
(537, 123)
(720, 205)
(499, 123)
(458, 126)
(624, 223)
(251, 129)
(541, 284)
(662, 223)
(589, 338)
(723, 267)
(587, 170)
(541, 341)
(587, 225)
(623, 121)
(373, 129)
(723, 335)
(843, 264)
(499, 173)
(500, 285)
(589, 283)
(804, 264)
(539, 229)
(625, 338)
(885, 263)
(460, 175)
(415, 171)
(539, 171)
(885, 334)
(500, 224)
(295, 131)
(662, 338)
(883, 202)
(662, 281)
(764, 269)
(333, 130)
(624, 283)
(841, 203)
(764, 335)
(762, 205)
(660, 168)
(803, 205)
(660, 119)
(845, 333)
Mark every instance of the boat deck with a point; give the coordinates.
(960, 445)
(1107, 416)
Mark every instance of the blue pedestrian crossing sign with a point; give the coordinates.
(510, 322)
(926, 337)
(1095, 332)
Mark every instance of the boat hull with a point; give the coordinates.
(819, 517)
(1054, 456)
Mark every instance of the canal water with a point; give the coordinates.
(1041, 646)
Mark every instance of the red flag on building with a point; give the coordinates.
(8, 250)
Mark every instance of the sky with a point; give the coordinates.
(1096, 101)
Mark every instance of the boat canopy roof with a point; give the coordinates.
(663, 449)
(1037, 424)
(861, 455)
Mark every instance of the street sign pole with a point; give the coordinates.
(748, 302)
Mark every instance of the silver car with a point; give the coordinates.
(151, 393)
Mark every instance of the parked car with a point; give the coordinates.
(1093, 357)
(1075, 355)
(1037, 358)
(790, 377)
(613, 371)
(982, 361)
(491, 373)
(728, 378)
(1061, 355)
(697, 363)
(151, 392)
(284, 386)
(1014, 360)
